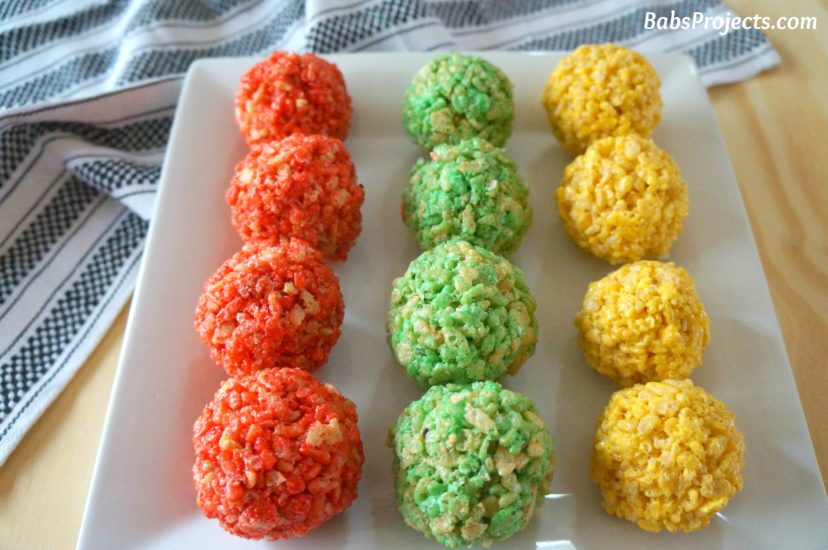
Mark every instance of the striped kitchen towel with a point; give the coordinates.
(88, 90)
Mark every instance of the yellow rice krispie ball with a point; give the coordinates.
(623, 200)
(601, 90)
(643, 322)
(667, 455)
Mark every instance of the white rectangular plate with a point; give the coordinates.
(142, 494)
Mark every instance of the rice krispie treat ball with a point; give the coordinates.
(304, 186)
(623, 200)
(471, 462)
(643, 322)
(290, 93)
(667, 455)
(458, 96)
(271, 307)
(469, 191)
(277, 454)
(601, 90)
(461, 313)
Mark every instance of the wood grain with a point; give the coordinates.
(776, 130)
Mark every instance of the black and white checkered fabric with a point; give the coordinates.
(87, 94)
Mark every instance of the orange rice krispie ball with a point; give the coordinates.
(271, 307)
(667, 455)
(277, 453)
(643, 322)
(290, 93)
(304, 186)
(601, 90)
(623, 200)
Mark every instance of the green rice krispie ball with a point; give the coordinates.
(458, 96)
(459, 314)
(468, 191)
(471, 462)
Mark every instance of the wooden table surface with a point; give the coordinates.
(776, 129)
